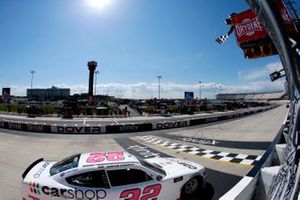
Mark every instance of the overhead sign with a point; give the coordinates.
(248, 28)
(188, 95)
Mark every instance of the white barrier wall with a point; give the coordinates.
(122, 128)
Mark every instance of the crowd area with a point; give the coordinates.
(116, 107)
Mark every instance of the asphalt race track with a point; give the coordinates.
(228, 149)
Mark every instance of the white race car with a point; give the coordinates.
(112, 176)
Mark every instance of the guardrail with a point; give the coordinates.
(245, 188)
(123, 128)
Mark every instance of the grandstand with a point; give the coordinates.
(252, 96)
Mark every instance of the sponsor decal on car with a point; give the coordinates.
(97, 157)
(187, 165)
(178, 179)
(30, 197)
(89, 194)
(116, 166)
(149, 192)
(38, 173)
(34, 188)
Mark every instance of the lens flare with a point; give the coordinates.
(98, 3)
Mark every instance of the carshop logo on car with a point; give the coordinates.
(77, 194)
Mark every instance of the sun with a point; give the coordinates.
(98, 3)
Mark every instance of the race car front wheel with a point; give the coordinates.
(191, 187)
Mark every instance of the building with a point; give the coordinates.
(48, 94)
(252, 96)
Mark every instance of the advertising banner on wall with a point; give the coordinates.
(6, 95)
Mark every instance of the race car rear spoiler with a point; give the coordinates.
(31, 166)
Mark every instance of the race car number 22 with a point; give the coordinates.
(149, 193)
(97, 157)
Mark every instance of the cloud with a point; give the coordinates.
(260, 73)
(145, 90)
(253, 81)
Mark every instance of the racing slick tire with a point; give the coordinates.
(191, 188)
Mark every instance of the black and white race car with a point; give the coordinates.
(112, 176)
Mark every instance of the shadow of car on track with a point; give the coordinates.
(206, 193)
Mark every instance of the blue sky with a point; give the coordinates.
(133, 41)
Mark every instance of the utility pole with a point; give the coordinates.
(200, 90)
(32, 72)
(159, 77)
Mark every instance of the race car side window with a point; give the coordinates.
(127, 176)
(65, 164)
(96, 179)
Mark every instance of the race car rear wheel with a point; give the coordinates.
(191, 187)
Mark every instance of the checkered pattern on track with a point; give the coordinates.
(218, 155)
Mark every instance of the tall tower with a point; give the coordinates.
(92, 66)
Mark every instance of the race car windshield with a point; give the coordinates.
(153, 167)
(65, 164)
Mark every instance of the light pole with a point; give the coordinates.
(200, 90)
(32, 72)
(159, 77)
(96, 75)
